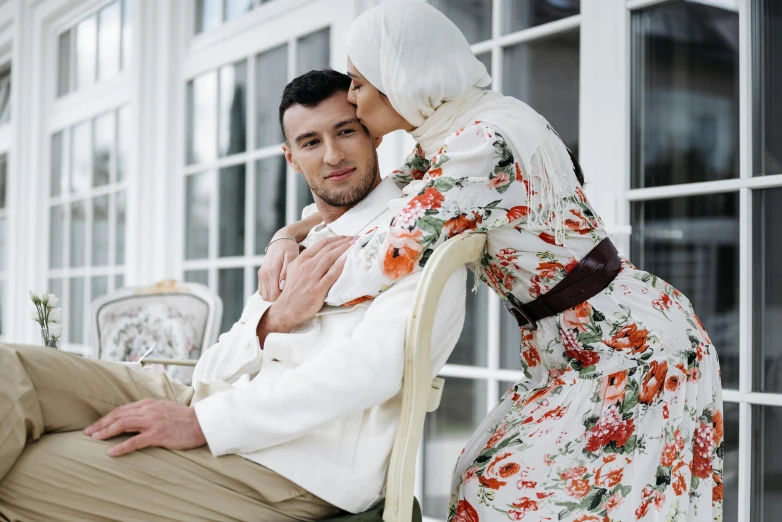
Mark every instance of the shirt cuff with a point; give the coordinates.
(217, 419)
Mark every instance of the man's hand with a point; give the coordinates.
(165, 424)
(308, 281)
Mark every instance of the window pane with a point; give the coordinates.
(510, 341)
(471, 349)
(56, 236)
(119, 281)
(303, 194)
(730, 471)
(198, 188)
(103, 144)
(208, 14)
(767, 292)
(685, 94)
(64, 64)
(2, 244)
(472, 17)
(446, 431)
(86, 41)
(3, 179)
(75, 316)
(231, 291)
(127, 34)
(78, 233)
(58, 165)
(119, 201)
(109, 40)
(123, 142)
(235, 8)
(231, 211)
(99, 287)
(202, 118)
(485, 59)
(766, 498)
(766, 49)
(233, 106)
(5, 96)
(100, 231)
(55, 287)
(544, 74)
(270, 190)
(313, 52)
(81, 156)
(271, 71)
(197, 276)
(693, 243)
(530, 13)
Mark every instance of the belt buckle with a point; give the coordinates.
(516, 312)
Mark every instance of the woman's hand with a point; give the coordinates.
(272, 274)
(274, 269)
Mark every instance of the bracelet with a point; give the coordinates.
(277, 239)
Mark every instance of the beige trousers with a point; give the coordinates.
(51, 471)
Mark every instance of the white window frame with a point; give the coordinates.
(261, 29)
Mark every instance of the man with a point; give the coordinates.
(294, 410)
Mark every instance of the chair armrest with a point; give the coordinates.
(435, 394)
(174, 362)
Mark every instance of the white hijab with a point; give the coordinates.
(419, 59)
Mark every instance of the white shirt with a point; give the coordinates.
(320, 405)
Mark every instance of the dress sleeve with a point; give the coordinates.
(474, 183)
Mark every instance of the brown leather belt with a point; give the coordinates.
(590, 277)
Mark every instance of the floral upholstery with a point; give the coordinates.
(175, 322)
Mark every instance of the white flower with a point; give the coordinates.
(34, 297)
(44, 297)
(53, 300)
(55, 316)
(34, 314)
(55, 330)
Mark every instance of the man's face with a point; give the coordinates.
(335, 153)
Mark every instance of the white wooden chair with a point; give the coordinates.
(179, 319)
(420, 393)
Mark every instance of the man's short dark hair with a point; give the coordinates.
(311, 88)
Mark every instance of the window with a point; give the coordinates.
(5, 95)
(3, 236)
(212, 13)
(95, 49)
(87, 215)
(535, 45)
(238, 190)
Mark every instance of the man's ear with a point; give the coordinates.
(290, 159)
(377, 141)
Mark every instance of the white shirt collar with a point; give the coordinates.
(352, 222)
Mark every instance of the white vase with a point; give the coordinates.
(48, 341)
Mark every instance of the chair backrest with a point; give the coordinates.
(419, 392)
(181, 319)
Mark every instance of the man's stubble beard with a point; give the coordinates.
(356, 193)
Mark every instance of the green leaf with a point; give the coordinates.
(443, 184)
(594, 499)
(570, 508)
(598, 316)
(630, 445)
(482, 459)
(430, 224)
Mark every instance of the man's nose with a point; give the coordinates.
(334, 154)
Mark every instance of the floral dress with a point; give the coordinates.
(619, 417)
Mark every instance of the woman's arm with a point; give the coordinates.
(274, 269)
(473, 184)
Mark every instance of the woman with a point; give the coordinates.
(620, 417)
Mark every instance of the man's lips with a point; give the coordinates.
(339, 175)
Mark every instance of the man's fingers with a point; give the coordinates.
(140, 441)
(333, 273)
(320, 245)
(329, 258)
(115, 414)
(123, 425)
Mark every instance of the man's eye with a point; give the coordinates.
(309, 143)
(356, 87)
(347, 132)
